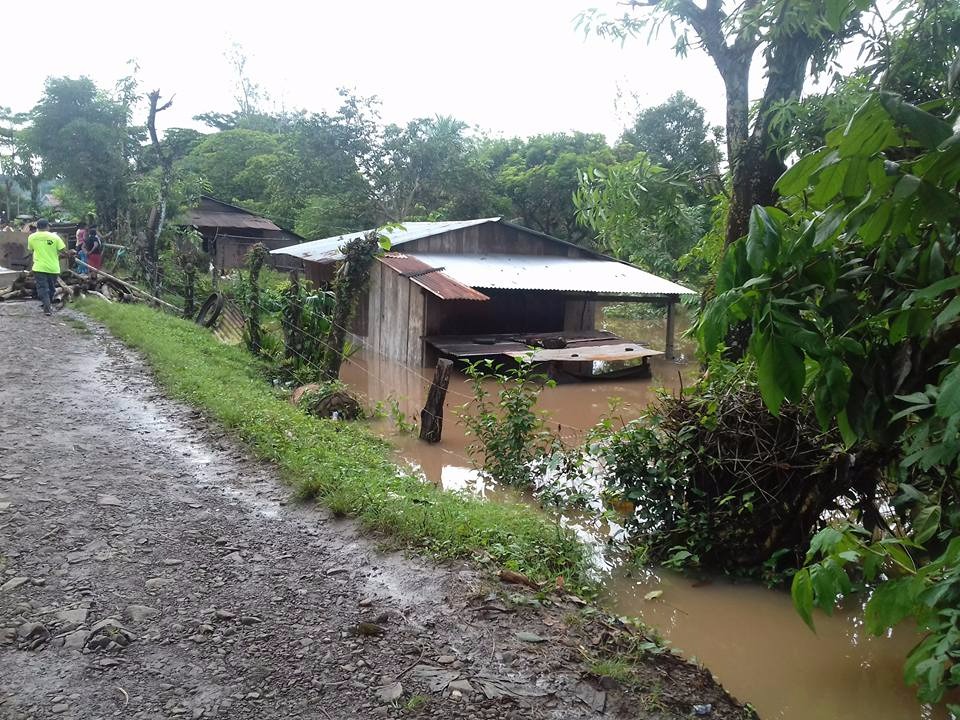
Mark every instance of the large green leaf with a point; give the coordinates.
(926, 523)
(868, 132)
(934, 290)
(824, 542)
(797, 178)
(891, 602)
(929, 130)
(829, 183)
(780, 372)
(801, 590)
(948, 402)
(763, 238)
(832, 391)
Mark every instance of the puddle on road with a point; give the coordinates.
(748, 636)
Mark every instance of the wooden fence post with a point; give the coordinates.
(431, 417)
(671, 325)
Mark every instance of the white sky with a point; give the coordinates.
(515, 67)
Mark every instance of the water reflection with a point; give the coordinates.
(748, 636)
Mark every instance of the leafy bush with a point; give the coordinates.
(509, 433)
(717, 481)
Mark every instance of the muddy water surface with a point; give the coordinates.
(747, 635)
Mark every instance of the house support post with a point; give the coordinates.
(671, 326)
(431, 417)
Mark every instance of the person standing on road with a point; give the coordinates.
(94, 247)
(46, 248)
(80, 248)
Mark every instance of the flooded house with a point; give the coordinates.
(229, 232)
(491, 288)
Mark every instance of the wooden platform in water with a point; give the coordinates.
(581, 346)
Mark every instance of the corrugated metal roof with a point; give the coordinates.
(328, 249)
(217, 219)
(430, 278)
(546, 272)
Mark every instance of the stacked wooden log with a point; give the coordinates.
(71, 285)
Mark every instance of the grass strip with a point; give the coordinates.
(340, 464)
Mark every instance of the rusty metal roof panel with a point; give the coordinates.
(430, 278)
(546, 272)
(328, 249)
(212, 218)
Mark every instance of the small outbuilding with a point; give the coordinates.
(229, 231)
(488, 287)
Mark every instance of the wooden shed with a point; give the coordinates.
(229, 232)
(488, 287)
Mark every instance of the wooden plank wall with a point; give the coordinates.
(395, 317)
(505, 311)
(490, 238)
(579, 315)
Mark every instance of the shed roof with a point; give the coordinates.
(430, 278)
(328, 249)
(221, 219)
(546, 272)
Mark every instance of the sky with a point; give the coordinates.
(517, 67)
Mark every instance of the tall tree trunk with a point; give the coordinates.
(159, 215)
(757, 163)
(736, 78)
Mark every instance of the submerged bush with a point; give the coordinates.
(330, 400)
(509, 434)
(717, 481)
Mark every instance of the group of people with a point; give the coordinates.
(89, 248)
(48, 247)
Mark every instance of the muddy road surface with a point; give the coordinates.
(149, 568)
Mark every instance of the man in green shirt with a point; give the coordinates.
(46, 248)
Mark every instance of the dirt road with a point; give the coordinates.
(150, 569)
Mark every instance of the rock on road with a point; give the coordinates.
(149, 568)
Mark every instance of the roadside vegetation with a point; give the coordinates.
(340, 464)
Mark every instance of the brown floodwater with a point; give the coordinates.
(747, 635)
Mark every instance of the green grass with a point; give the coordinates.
(620, 670)
(340, 464)
(416, 702)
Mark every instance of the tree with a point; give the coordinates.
(792, 36)
(540, 175)
(852, 300)
(640, 213)
(676, 136)
(220, 160)
(428, 168)
(895, 65)
(84, 136)
(158, 214)
(9, 133)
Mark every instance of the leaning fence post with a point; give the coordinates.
(431, 417)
